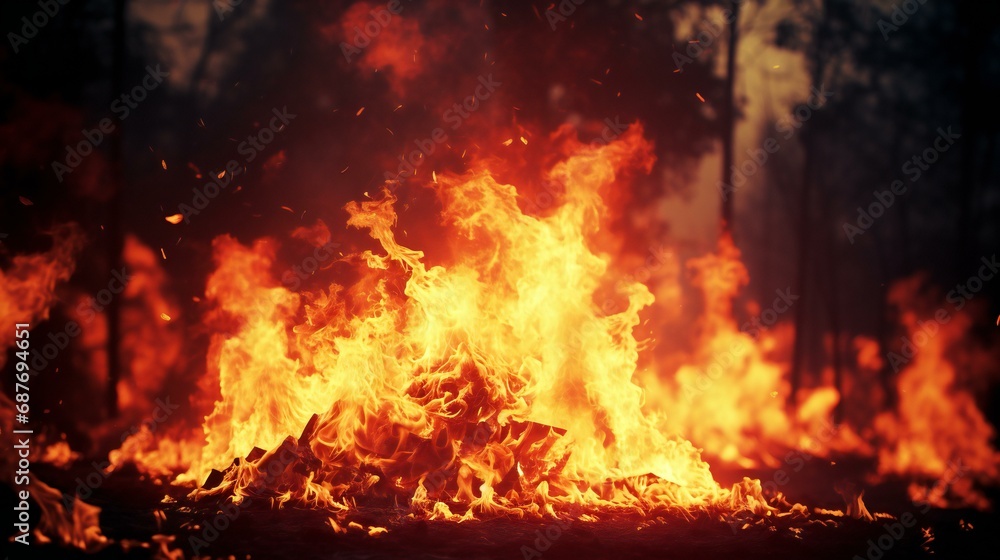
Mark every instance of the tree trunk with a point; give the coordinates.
(805, 224)
(729, 120)
(116, 238)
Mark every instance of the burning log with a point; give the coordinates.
(255, 454)
(217, 477)
(307, 461)
(214, 479)
(271, 465)
(276, 461)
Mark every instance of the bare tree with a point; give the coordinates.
(729, 117)
(817, 63)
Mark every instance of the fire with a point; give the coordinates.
(507, 372)
(729, 394)
(59, 454)
(492, 383)
(27, 287)
(27, 293)
(723, 394)
(495, 378)
(146, 298)
(937, 427)
(73, 524)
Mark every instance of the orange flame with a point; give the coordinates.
(937, 427)
(490, 379)
(27, 287)
(492, 384)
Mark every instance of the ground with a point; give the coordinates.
(130, 504)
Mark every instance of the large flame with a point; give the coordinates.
(937, 427)
(27, 293)
(493, 382)
(27, 287)
(493, 378)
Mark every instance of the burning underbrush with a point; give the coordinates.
(493, 384)
(490, 383)
(487, 385)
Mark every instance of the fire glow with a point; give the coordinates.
(490, 384)
(497, 384)
(574, 279)
(508, 379)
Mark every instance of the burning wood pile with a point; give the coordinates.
(451, 392)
